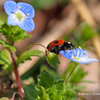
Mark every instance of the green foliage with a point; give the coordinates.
(26, 55)
(77, 75)
(87, 32)
(43, 4)
(45, 79)
(5, 44)
(64, 2)
(13, 33)
(52, 59)
(4, 98)
(47, 4)
(49, 89)
(82, 34)
(62, 91)
(4, 61)
(87, 81)
(18, 34)
(51, 71)
(30, 92)
(79, 88)
(42, 94)
(5, 29)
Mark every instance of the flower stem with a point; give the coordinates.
(19, 86)
(13, 97)
(70, 73)
(10, 35)
(31, 46)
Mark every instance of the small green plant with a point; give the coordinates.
(48, 87)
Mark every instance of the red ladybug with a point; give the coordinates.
(58, 45)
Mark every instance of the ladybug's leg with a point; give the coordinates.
(65, 49)
(57, 49)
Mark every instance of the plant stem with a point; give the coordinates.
(31, 46)
(70, 73)
(13, 97)
(10, 35)
(19, 86)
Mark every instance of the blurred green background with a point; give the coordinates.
(48, 14)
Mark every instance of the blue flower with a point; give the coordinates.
(20, 14)
(78, 55)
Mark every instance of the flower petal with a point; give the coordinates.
(27, 25)
(78, 55)
(12, 20)
(81, 52)
(27, 9)
(66, 54)
(86, 60)
(85, 54)
(10, 7)
(75, 52)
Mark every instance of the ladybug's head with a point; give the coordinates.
(70, 45)
(73, 46)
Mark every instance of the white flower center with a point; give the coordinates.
(20, 15)
(77, 57)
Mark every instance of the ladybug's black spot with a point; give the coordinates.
(56, 42)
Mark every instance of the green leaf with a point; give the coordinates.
(5, 29)
(79, 88)
(62, 91)
(51, 71)
(39, 91)
(5, 44)
(45, 95)
(14, 33)
(4, 61)
(30, 92)
(4, 98)
(26, 55)
(87, 81)
(52, 59)
(45, 79)
(42, 93)
(18, 34)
